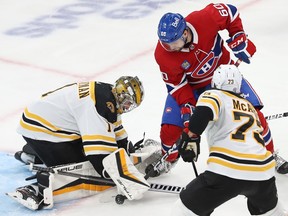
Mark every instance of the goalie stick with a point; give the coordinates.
(153, 186)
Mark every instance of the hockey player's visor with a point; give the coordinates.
(174, 46)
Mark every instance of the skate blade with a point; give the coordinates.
(29, 203)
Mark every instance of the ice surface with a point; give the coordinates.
(46, 44)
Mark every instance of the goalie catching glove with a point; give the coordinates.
(242, 47)
(189, 147)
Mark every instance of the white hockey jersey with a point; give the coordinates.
(85, 110)
(234, 137)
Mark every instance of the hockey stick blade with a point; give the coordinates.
(277, 116)
(153, 186)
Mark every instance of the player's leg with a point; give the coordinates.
(52, 188)
(262, 198)
(53, 154)
(249, 93)
(27, 155)
(208, 191)
(171, 129)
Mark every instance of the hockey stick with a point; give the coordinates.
(277, 116)
(238, 62)
(270, 117)
(194, 168)
(153, 186)
(120, 198)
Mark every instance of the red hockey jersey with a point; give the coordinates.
(193, 67)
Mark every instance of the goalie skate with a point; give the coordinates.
(27, 197)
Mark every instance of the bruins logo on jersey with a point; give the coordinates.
(111, 107)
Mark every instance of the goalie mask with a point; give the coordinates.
(227, 77)
(129, 93)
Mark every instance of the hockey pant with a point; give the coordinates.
(210, 190)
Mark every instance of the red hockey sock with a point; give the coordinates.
(266, 132)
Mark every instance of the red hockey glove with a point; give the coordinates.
(242, 47)
(189, 147)
(186, 112)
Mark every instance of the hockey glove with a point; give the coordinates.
(127, 145)
(186, 112)
(189, 147)
(242, 47)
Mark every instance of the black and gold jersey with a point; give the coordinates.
(234, 137)
(85, 110)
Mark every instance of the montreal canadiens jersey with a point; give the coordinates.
(85, 110)
(193, 67)
(234, 137)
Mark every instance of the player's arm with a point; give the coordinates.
(189, 142)
(176, 82)
(226, 16)
(207, 109)
(98, 136)
(200, 119)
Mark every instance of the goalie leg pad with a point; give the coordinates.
(69, 187)
(125, 175)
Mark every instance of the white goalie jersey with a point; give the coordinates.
(234, 136)
(85, 110)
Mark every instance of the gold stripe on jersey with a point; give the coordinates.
(117, 123)
(99, 144)
(211, 100)
(238, 154)
(241, 161)
(40, 120)
(99, 149)
(98, 138)
(45, 126)
(242, 167)
(120, 132)
(92, 91)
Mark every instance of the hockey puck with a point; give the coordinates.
(119, 199)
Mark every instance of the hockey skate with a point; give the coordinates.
(28, 196)
(281, 164)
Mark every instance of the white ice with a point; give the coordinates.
(46, 44)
